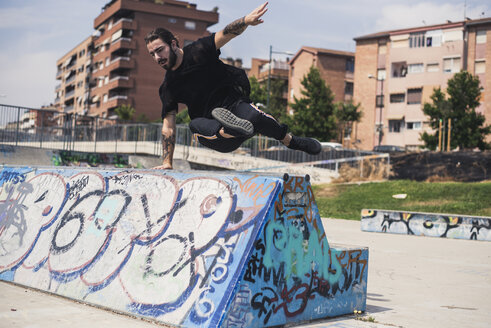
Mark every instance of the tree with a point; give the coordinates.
(468, 129)
(182, 117)
(259, 95)
(125, 112)
(313, 113)
(258, 92)
(346, 114)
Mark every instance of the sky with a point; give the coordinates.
(34, 34)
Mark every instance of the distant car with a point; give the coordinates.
(388, 149)
(333, 145)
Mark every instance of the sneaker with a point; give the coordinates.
(308, 145)
(232, 123)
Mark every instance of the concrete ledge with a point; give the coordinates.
(427, 224)
(185, 248)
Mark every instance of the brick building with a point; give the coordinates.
(72, 92)
(121, 70)
(336, 68)
(396, 72)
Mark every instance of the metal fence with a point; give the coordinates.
(42, 128)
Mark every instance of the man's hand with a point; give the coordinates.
(254, 18)
(238, 26)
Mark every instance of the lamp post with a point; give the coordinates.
(271, 52)
(379, 103)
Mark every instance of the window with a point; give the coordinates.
(481, 36)
(108, 61)
(104, 99)
(480, 67)
(381, 75)
(382, 49)
(399, 69)
(395, 126)
(434, 38)
(433, 67)
(172, 20)
(414, 96)
(348, 88)
(188, 25)
(292, 93)
(397, 98)
(415, 68)
(416, 40)
(413, 125)
(350, 65)
(455, 35)
(451, 65)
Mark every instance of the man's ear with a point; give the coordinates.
(174, 45)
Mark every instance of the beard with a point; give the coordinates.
(171, 61)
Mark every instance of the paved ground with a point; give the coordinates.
(412, 282)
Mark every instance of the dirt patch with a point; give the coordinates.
(366, 170)
(327, 191)
(436, 166)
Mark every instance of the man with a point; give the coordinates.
(216, 94)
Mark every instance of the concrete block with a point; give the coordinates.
(427, 224)
(190, 249)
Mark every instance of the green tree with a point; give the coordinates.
(259, 95)
(346, 114)
(468, 129)
(277, 104)
(258, 92)
(314, 113)
(125, 112)
(182, 117)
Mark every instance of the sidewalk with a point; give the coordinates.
(412, 282)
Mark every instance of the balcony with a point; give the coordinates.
(69, 94)
(121, 62)
(121, 82)
(126, 43)
(124, 23)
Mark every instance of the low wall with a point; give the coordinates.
(427, 224)
(190, 249)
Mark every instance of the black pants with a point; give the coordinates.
(207, 129)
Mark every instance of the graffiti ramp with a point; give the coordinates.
(189, 249)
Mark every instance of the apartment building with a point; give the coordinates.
(72, 92)
(397, 71)
(336, 68)
(264, 70)
(121, 70)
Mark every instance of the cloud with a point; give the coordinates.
(395, 16)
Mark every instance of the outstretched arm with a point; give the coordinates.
(238, 26)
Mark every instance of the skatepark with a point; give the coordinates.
(97, 228)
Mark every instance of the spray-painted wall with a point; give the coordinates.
(176, 247)
(427, 224)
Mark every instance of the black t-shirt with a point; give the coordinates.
(202, 81)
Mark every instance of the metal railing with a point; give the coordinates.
(74, 132)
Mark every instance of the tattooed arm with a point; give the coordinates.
(238, 26)
(168, 140)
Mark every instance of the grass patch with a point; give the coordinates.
(344, 201)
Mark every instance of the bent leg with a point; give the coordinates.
(263, 123)
(207, 132)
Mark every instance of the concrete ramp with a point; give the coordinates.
(190, 249)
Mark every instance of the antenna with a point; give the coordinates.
(465, 8)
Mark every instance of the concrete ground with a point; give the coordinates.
(412, 282)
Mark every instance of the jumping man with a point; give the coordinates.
(216, 94)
